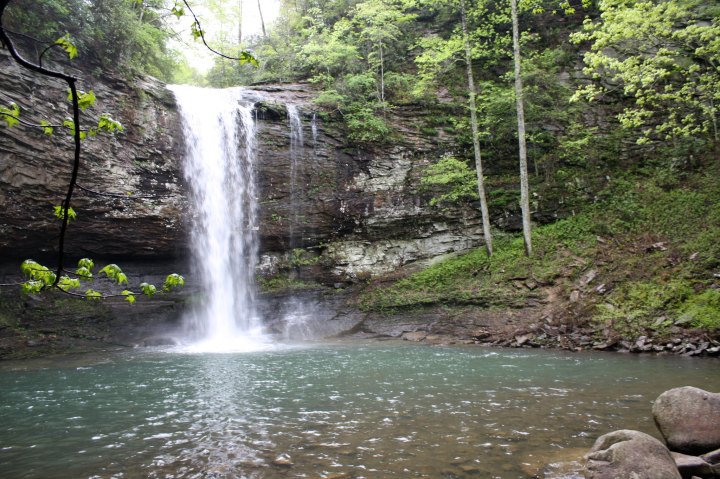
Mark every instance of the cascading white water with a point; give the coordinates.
(297, 317)
(219, 131)
(297, 145)
(314, 130)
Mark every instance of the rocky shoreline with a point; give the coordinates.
(49, 324)
(688, 419)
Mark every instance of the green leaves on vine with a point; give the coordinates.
(47, 127)
(129, 296)
(66, 44)
(172, 281)
(10, 114)
(196, 30)
(248, 58)
(107, 124)
(85, 100)
(114, 272)
(92, 294)
(148, 289)
(178, 11)
(40, 277)
(59, 212)
(67, 283)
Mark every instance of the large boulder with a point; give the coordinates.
(629, 454)
(689, 419)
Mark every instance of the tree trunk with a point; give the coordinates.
(142, 11)
(475, 136)
(262, 20)
(382, 77)
(240, 20)
(524, 189)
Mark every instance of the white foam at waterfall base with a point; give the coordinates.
(220, 138)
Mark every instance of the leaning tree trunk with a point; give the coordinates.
(240, 20)
(262, 20)
(475, 136)
(524, 189)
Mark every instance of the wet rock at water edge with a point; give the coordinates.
(629, 454)
(693, 466)
(283, 460)
(414, 336)
(689, 419)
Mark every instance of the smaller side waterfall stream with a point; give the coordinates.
(297, 316)
(219, 131)
(297, 147)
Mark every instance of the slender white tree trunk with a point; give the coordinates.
(262, 20)
(476, 140)
(240, 20)
(524, 188)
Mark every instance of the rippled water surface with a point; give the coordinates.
(342, 410)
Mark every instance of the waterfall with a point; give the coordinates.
(297, 146)
(297, 316)
(314, 129)
(219, 130)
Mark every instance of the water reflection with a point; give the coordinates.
(343, 410)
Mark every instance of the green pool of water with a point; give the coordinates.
(354, 410)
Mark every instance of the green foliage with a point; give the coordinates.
(148, 289)
(10, 114)
(301, 257)
(474, 278)
(365, 127)
(86, 263)
(85, 100)
(122, 35)
(640, 307)
(67, 44)
(129, 296)
(114, 272)
(92, 294)
(282, 283)
(702, 310)
(108, 124)
(686, 215)
(39, 277)
(664, 54)
(173, 281)
(67, 283)
(59, 212)
(454, 179)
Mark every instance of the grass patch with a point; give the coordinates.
(659, 257)
(474, 278)
(278, 284)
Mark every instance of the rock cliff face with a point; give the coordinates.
(355, 212)
(141, 161)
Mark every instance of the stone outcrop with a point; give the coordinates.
(359, 210)
(629, 454)
(689, 419)
(139, 162)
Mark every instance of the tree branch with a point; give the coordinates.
(71, 81)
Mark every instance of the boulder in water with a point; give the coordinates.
(629, 455)
(283, 460)
(689, 419)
